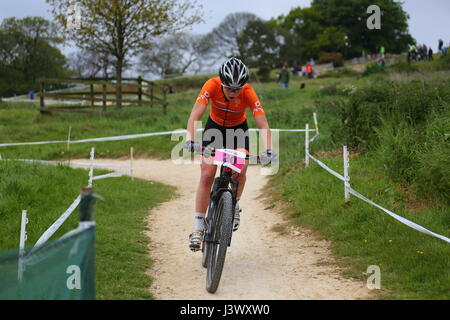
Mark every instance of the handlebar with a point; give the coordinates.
(210, 151)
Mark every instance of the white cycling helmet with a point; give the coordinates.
(233, 73)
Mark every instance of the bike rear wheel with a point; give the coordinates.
(221, 230)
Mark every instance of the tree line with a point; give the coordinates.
(149, 36)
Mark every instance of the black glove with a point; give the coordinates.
(207, 152)
(190, 146)
(267, 157)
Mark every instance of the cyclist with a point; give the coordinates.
(230, 95)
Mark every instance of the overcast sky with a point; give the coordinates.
(429, 20)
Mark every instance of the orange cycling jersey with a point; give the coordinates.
(229, 113)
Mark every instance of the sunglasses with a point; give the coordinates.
(232, 89)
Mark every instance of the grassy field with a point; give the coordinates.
(47, 191)
(413, 265)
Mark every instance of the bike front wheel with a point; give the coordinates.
(221, 230)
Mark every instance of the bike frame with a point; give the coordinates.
(221, 184)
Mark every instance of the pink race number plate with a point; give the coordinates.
(232, 159)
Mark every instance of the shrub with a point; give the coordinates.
(403, 67)
(263, 73)
(334, 57)
(365, 108)
(406, 126)
(340, 73)
(433, 159)
(373, 68)
(398, 149)
(444, 62)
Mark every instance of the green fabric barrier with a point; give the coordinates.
(63, 269)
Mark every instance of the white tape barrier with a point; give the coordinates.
(112, 175)
(399, 218)
(80, 164)
(127, 137)
(37, 161)
(395, 216)
(334, 173)
(96, 165)
(55, 226)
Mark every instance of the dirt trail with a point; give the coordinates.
(261, 264)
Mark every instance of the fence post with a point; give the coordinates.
(68, 138)
(151, 95)
(139, 80)
(165, 99)
(347, 178)
(41, 96)
(131, 162)
(86, 215)
(104, 96)
(92, 95)
(316, 123)
(91, 171)
(307, 146)
(23, 238)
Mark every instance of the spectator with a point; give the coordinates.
(284, 77)
(295, 68)
(423, 52)
(430, 54)
(413, 51)
(382, 51)
(309, 70)
(441, 44)
(304, 71)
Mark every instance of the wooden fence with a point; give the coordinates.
(101, 93)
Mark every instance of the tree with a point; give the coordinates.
(26, 53)
(225, 35)
(176, 54)
(350, 17)
(341, 26)
(88, 64)
(261, 45)
(123, 28)
(24, 42)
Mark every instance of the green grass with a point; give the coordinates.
(21, 122)
(122, 255)
(413, 265)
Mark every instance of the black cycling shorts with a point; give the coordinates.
(220, 137)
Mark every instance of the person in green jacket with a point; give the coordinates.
(284, 77)
(382, 51)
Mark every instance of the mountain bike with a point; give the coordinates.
(220, 215)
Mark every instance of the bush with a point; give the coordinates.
(339, 73)
(433, 159)
(334, 57)
(406, 126)
(397, 150)
(263, 73)
(373, 68)
(444, 62)
(403, 67)
(418, 155)
(338, 91)
(365, 108)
